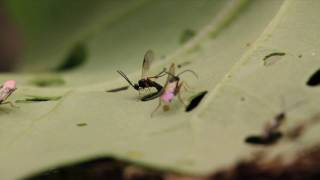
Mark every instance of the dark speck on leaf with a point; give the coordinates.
(183, 64)
(82, 124)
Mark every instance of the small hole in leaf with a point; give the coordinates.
(195, 101)
(118, 89)
(187, 35)
(261, 140)
(314, 80)
(32, 98)
(76, 58)
(48, 81)
(272, 58)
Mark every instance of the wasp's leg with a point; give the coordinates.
(162, 73)
(179, 93)
(181, 99)
(10, 103)
(140, 92)
(186, 87)
(156, 107)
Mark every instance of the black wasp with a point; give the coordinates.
(145, 81)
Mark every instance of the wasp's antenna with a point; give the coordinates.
(170, 74)
(126, 78)
(162, 73)
(188, 70)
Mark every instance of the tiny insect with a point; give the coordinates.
(271, 132)
(172, 88)
(145, 81)
(6, 90)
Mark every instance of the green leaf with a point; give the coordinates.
(227, 52)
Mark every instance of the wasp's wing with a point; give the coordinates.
(147, 61)
(171, 72)
(171, 75)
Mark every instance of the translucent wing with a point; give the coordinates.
(171, 73)
(171, 76)
(147, 60)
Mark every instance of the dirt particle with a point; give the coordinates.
(82, 124)
(183, 64)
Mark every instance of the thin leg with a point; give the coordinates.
(187, 87)
(181, 99)
(156, 108)
(11, 104)
(162, 73)
(144, 91)
(179, 93)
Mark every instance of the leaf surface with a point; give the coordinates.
(231, 40)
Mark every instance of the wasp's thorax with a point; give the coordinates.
(144, 83)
